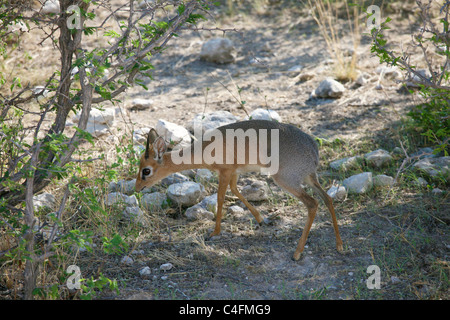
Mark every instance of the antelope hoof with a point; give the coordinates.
(296, 256)
(212, 236)
(266, 222)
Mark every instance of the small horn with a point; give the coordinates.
(152, 135)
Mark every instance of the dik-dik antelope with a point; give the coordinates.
(245, 147)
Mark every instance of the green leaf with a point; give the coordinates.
(194, 17)
(85, 135)
(181, 8)
(111, 33)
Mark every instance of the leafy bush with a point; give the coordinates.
(431, 117)
(88, 73)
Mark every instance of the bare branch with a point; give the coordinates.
(59, 213)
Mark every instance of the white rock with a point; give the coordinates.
(186, 193)
(197, 212)
(329, 88)
(209, 203)
(437, 191)
(127, 260)
(45, 201)
(294, 70)
(218, 50)
(117, 198)
(50, 6)
(17, 26)
(359, 183)
(166, 266)
(345, 163)
(378, 158)
(204, 210)
(258, 61)
(235, 210)
(105, 116)
(383, 180)
(141, 103)
(389, 71)
(264, 114)
(434, 166)
(140, 135)
(397, 151)
(174, 178)
(173, 134)
(337, 192)
(211, 120)
(75, 70)
(154, 200)
(395, 279)
(40, 91)
(421, 182)
(124, 186)
(363, 78)
(96, 129)
(203, 175)
(146, 271)
(98, 122)
(256, 191)
(134, 214)
(415, 79)
(131, 200)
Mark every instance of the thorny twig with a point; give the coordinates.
(404, 62)
(402, 166)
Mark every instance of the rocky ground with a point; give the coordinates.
(398, 223)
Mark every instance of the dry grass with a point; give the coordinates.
(325, 13)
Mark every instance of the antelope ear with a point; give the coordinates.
(152, 136)
(160, 147)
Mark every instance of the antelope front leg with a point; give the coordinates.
(224, 180)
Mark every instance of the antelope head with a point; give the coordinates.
(152, 165)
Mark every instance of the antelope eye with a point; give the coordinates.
(146, 171)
